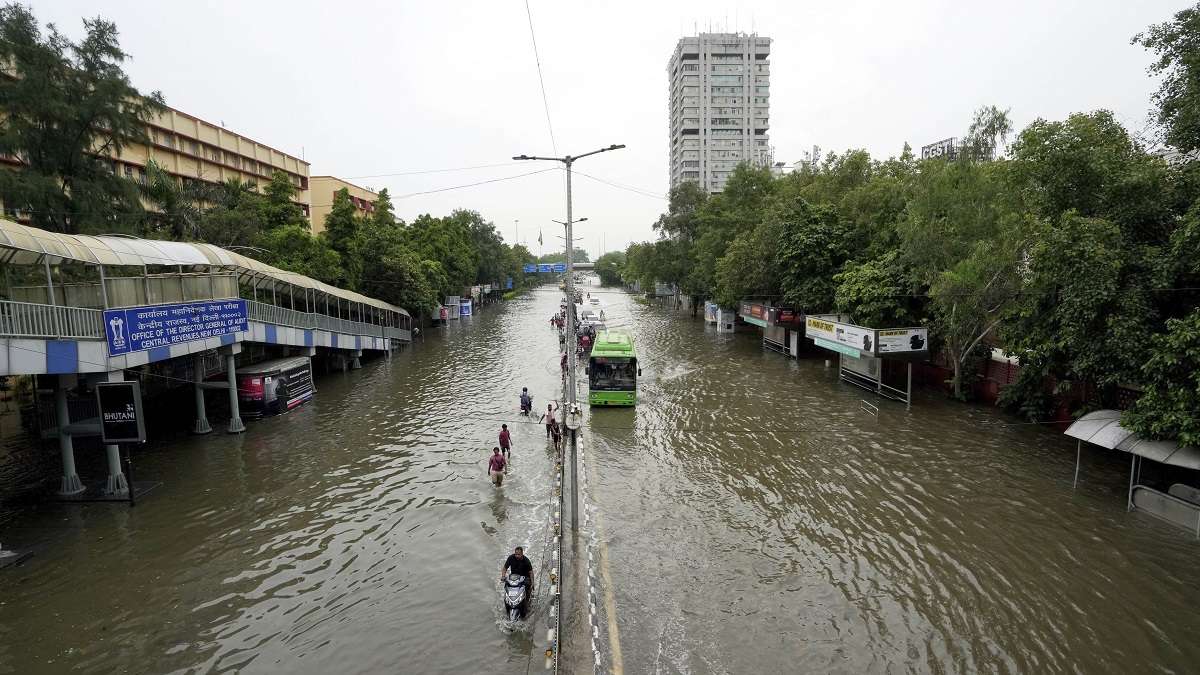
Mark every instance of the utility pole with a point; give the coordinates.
(571, 415)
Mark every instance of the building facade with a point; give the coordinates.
(720, 100)
(190, 149)
(322, 190)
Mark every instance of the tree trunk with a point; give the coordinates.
(958, 379)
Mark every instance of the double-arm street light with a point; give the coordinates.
(570, 416)
(568, 161)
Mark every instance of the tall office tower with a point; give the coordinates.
(719, 100)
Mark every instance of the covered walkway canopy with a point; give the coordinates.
(1179, 504)
(23, 245)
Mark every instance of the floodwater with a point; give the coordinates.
(747, 517)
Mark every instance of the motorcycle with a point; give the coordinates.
(527, 406)
(516, 600)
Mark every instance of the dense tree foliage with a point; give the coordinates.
(67, 107)
(1075, 249)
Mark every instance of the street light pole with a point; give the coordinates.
(568, 161)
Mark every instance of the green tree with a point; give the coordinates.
(343, 233)
(878, 293)
(277, 205)
(812, 250)
(1085, 311)
(294, 248)
(384, 214)
(233, 217)
(1089, 164)
(610, 267)
(68, 109)
(1169, 407)
(1176, 47)
(177, 204)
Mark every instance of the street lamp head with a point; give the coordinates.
(616, 147)
(522, 157)
(581, 220)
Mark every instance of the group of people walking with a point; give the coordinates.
(502, 453)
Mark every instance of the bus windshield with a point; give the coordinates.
(613, 374)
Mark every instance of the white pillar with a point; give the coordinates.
(354, 362)
(71, 485)
(117, 485)
(235, 419)
(202, 425)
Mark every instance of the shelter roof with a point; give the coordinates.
(1103, 428)
(24, 245)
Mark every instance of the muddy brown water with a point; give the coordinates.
(755, 520)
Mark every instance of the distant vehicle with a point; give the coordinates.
(588, 315)
(275, 386)
(594, 301)
(613, 370)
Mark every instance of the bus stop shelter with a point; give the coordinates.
(1180, 504)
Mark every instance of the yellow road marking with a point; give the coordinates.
(610, 604)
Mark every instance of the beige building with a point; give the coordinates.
(322, 189)
(191, 149)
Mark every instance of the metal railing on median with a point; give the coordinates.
(28, 319)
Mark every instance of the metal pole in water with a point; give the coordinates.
(1079, 448)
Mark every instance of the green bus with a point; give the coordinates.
(613, 370)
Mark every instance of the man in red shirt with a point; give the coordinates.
(496, 467)
(505, 441)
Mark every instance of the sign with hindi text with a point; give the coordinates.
(136, 329)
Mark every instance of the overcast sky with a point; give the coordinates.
(364, 89)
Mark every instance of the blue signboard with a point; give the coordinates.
(137, 329)
(465, 308)
(545, 267)
(531, 268)
(560, 267)
(508, 283)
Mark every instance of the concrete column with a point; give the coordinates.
(202, 425)
(117, 485)
(235, 419)
(71, 485)
(354, 362)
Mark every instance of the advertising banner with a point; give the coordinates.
(531, 268)
(508, 284)
(856, 337)
(902, 340)
(121, 418)
(465, 308)
(785, 317)
(755, 313)
(137, 329)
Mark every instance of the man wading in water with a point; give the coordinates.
(496, 467)
(505, 441)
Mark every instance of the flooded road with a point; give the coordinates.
(758, 521)
(753, 520)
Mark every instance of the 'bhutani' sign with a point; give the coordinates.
(121, 419)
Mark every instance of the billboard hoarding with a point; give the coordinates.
(902, 340)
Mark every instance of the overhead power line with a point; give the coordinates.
(541, 81)
(428, 171)
(482, 182)
(619, 186)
